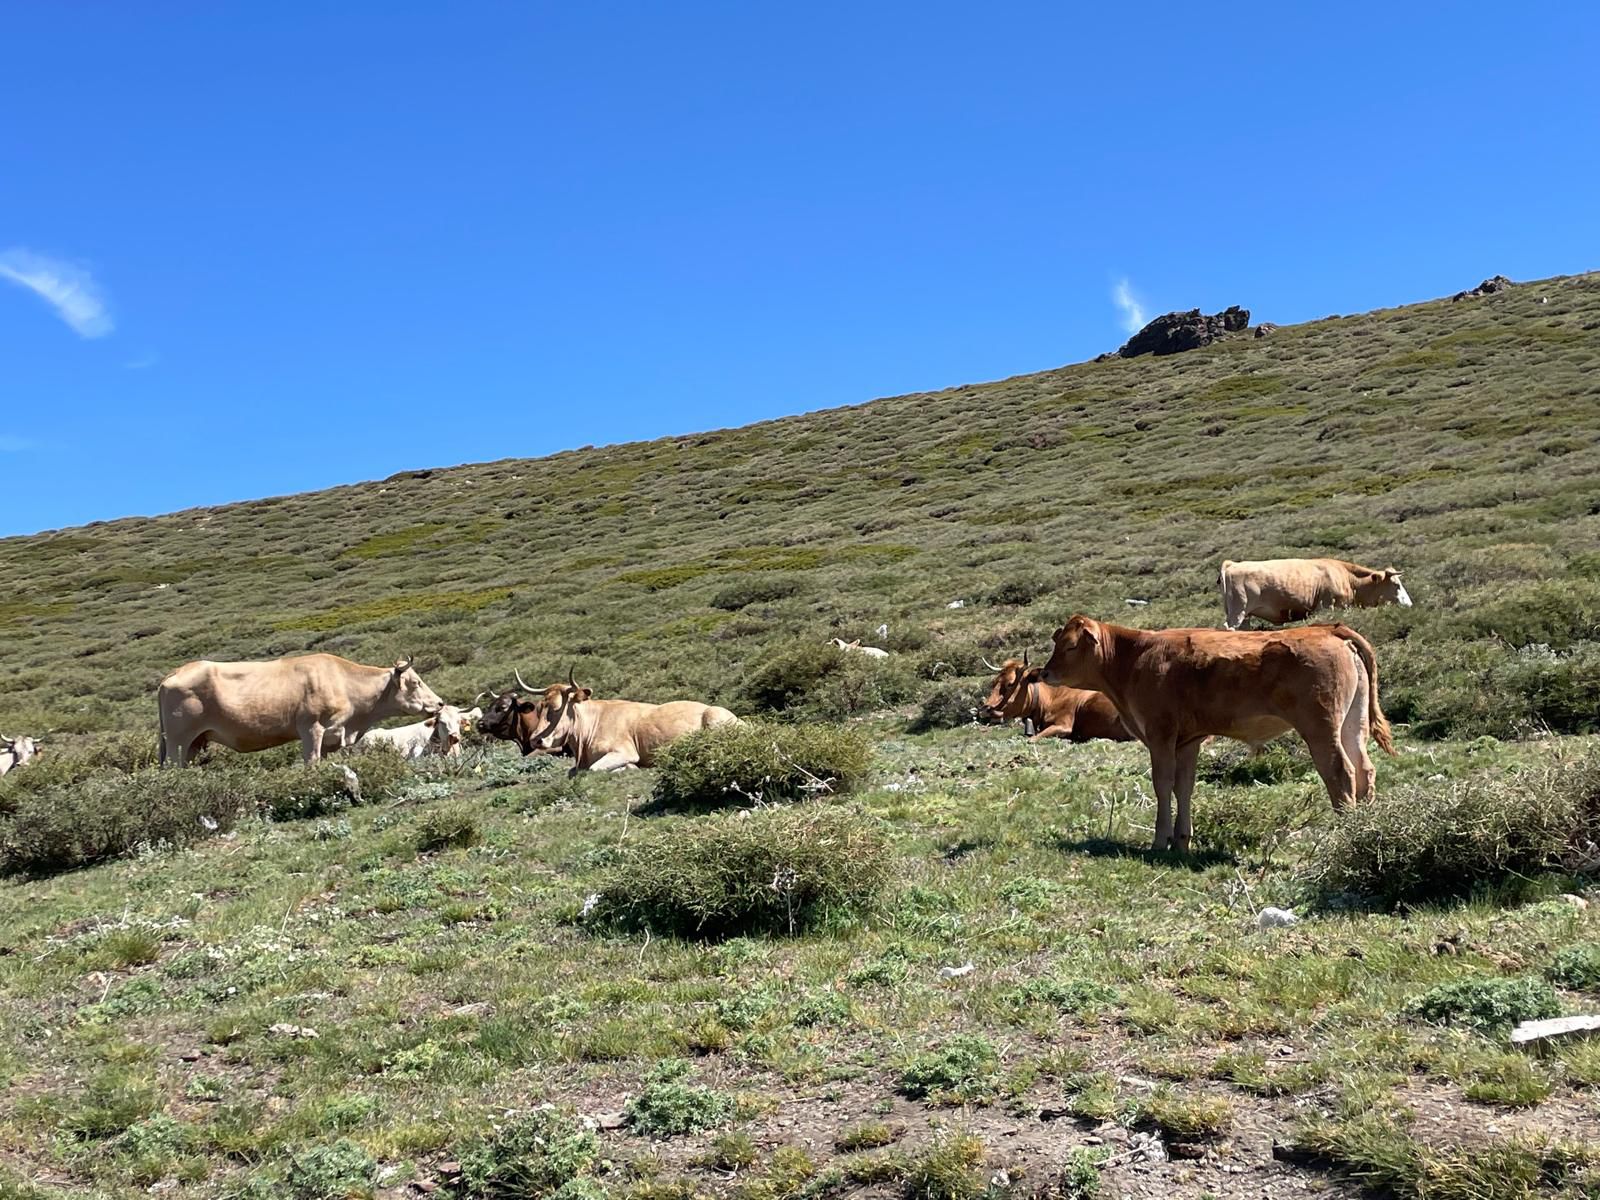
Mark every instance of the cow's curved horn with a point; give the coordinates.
(572, 675)
(405, 665)
(480, 696)
(521, 683)
(987, 663)
(1024, 656)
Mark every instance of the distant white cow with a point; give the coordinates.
(437, 735)
(856, 647)
(17, 752)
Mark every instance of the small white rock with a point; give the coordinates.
(1577, 901)
(1274, 918)
(592, 899)
(955, 972)
(956, 604)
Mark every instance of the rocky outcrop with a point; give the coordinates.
(1175, 332)
(1264, 328)
(1487, 288)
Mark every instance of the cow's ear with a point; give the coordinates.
(431, 722)
(584, 693)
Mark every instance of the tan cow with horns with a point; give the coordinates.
(1176, 687)
(319, 699)
(1060, 712)
(1279, 590)
(600, 735)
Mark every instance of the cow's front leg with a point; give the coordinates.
(1183, 784)
(311, 741)
(1163, 774)
(1058, 730)
(617, 760)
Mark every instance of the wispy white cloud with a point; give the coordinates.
(1132, 311)
(69, 289)
(143, 363)
(14, 445)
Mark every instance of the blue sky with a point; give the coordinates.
(254, 249)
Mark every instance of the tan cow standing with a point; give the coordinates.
(1176, 687)
(1290, 589)
(600, 735)
(315, 698)
(1060, 712)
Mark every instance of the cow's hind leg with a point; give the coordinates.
(1163, 774)
(1353, 735)
(1338, 774)
(615, 761)
(1188, 762)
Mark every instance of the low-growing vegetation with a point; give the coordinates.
(770, 871)
(754, 762)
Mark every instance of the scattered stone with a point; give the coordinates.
(1554, 1027)
(1577, 901)
(284, 1029)
(1186, 1150)
(189, 1056)
(1132, 603)
(1275, 918)
(955, 972)
(1266, 327)
(1174, 332)
(481, 1008)
(956, 604)
(451, 1168)
(1488, 287)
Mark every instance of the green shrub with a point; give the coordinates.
(1185, 1118)
(755, 590)
(1554, 613)
(964, 1069)
(1577, 967)
(948, 706)
(1063, 995)
(1485, 1004)
(110, 814)
(1414, 844)
(819, 681)
(527, 1157)
(768, 871)
(948, 1170)
(1021, 589)
(330, 1172)
(733, 763)
(667, 1106)
(446, 826)
(1282, 760)
(1557, 690)
(109, 1104)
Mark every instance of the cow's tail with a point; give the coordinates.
(1379, 723)
(1222, 584)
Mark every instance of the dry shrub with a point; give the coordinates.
(767, 871)
(1417, 844)
(736, 763)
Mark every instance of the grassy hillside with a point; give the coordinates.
(1458, 441)
(241, 981)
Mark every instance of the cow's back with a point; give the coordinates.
(1281, 589)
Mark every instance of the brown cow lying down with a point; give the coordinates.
(602, 735)
(1063, 712)
(1289, 589)
(1176, 687)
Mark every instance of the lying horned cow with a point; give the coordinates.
(1176, 687)
(319, 699)
(1060, 712)
(1289, 589)
(601, 735)
(18, 752)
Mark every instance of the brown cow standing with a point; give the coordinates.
(1063, 712)
(1290, 589)
(1176, 687)
(601, 735)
